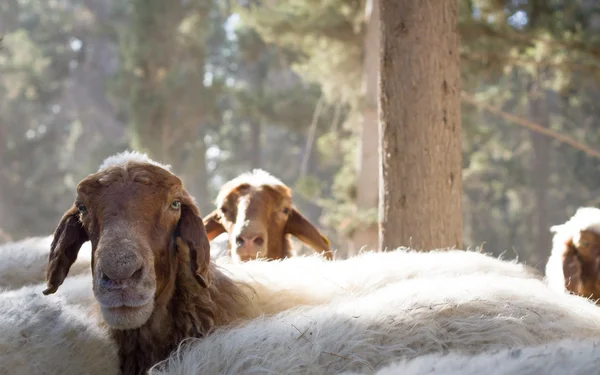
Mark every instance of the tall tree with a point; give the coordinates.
(420, 125)
(367, 180)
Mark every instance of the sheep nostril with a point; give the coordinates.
(137, 274)
(239, 241)
(104, 277)
(259, 241)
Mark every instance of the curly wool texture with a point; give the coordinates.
(312, 280)
(44, 335)
(280, 285)
(469, 314)
(24, 262)
(585, 218)
(573, 357)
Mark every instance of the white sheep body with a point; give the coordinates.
(470, 314)
(24, 262)
(44, 335)
(409, 282)
(573, 357)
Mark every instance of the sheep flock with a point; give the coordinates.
(159, 297)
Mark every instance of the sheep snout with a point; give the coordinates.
(124, 286)
(249, 244)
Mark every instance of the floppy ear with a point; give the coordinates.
(192, 232)
(213, 225)
(298, 226)
(68, 238)
(572, 268)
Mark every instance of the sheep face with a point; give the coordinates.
(582, 264)
(132, 215)
(256, 211)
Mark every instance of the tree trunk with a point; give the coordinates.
(540, 175)
(367, 190)
(420, 126)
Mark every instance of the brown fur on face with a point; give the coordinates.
(581, 264)
(256, 211)
(151, 268)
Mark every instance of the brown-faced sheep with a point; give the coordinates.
(152, 291)
(256, 211)
(574, 264)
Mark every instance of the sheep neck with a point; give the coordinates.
(182, 309)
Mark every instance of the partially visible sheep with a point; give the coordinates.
(468, 314)
(256, 211)
(24, 262)
(45, 335)
(574, 263)
(573, 357)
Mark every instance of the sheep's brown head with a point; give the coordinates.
(578, 243)
(132, 211)
(256, 211)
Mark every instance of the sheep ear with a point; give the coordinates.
(213, 225)
(298, 226)
(192, 233)
(68, 238)
(571, 268)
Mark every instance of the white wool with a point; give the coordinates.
(312, 280)
(124, 157)
(585, 218)
(24, 262)
(468, 314)
(43, 335)
(219, 246)
(75, 290)
(416, 284)
(573, 357)
(255, 178)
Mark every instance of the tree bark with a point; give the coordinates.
(367, 190)
(420, 126)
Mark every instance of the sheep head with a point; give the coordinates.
(256, 211)
(133, 211)
(581, 264)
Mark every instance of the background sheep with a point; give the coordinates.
(573, 357)
(24, 262)
(44, 335)
(256, 211)
(468, 314)
(574, 263)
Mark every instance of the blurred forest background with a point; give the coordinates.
(216, 88)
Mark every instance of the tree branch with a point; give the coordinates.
(468, 98)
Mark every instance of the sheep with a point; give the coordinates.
(151, 264)
(136, 214)
(573, 357)
(23, 262)
(574, 262)
(45, 335)
(467, 314)
(256, 211)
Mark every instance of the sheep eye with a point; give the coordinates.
(82, 208)
(176, 205)
(223, 210)
(286, 210)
